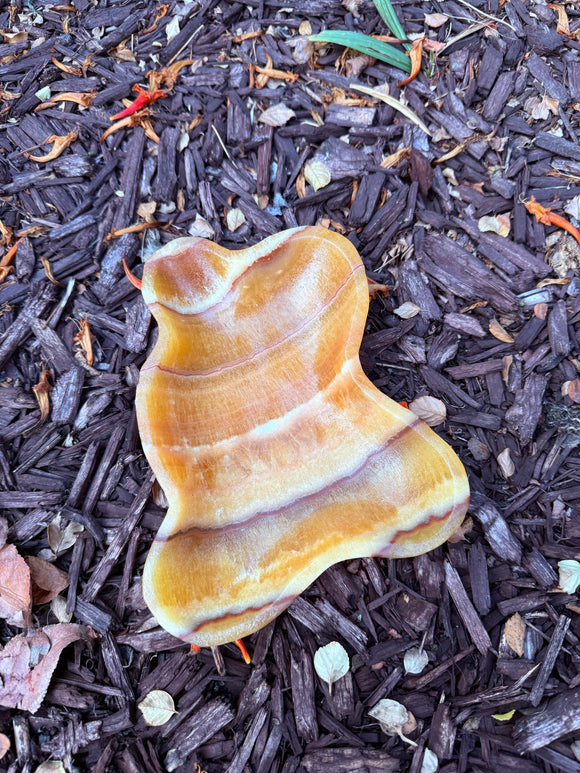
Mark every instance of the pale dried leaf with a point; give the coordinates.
(51, 766)
(58, 608)
(172, 29)
(569, 571)
(539, 108)
(497, 224)
(317, 174)
(479, 450)
(394, 103)
(47, 580)
(200, 227)
(393, 717)
(4, 745)
(572, 207)
(575, 748)
(62, 536)
(146, 210)
(435, 20)
(43, 94)
(305, 28)
(15, 598)
(498, 331)
(331, 663)
(505, 463)
(407, 310)
(514, 632)
(235, 218)
(430, 762)
(157, 708)
(414, 660)
(27, 663)
(277, 115)
(430, 409)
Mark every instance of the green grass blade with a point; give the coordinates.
(388, 15)
(365, 45)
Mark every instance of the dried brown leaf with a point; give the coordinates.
(15, 599)
(41, 392)
(27, 663)
(498, 331)
(505, 462)
(61, 143)
(514, 632)
(47, 580)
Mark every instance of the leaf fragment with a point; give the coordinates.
(317, 174)
(157, 708)
(62, 536)
(498, 331)
(414, 660)
(234, 219)
(432, 410)
(15, 595)
(505, 463)
(569, 571)
(497, 224)
(504, 717)
(331, 663)
(515, 632)
(430, 762)
(47, 580)
(277, 115)
(407, 310)
(41, 392)
(394, 103)
(435, 20)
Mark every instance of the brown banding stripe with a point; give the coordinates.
(252, 355)
(222, 301)
(384, 553)
(284, 602)
(300, 500)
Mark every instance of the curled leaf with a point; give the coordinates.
(504, 717)
(505, 463)
(393, 718)
(415, 55)
(498, 331)
(331, 663)
(61, 143)
(157, 708)
(41, 392)
(569, 571)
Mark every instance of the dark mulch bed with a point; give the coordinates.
(415, 223)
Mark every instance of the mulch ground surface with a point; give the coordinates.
(261, 130)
